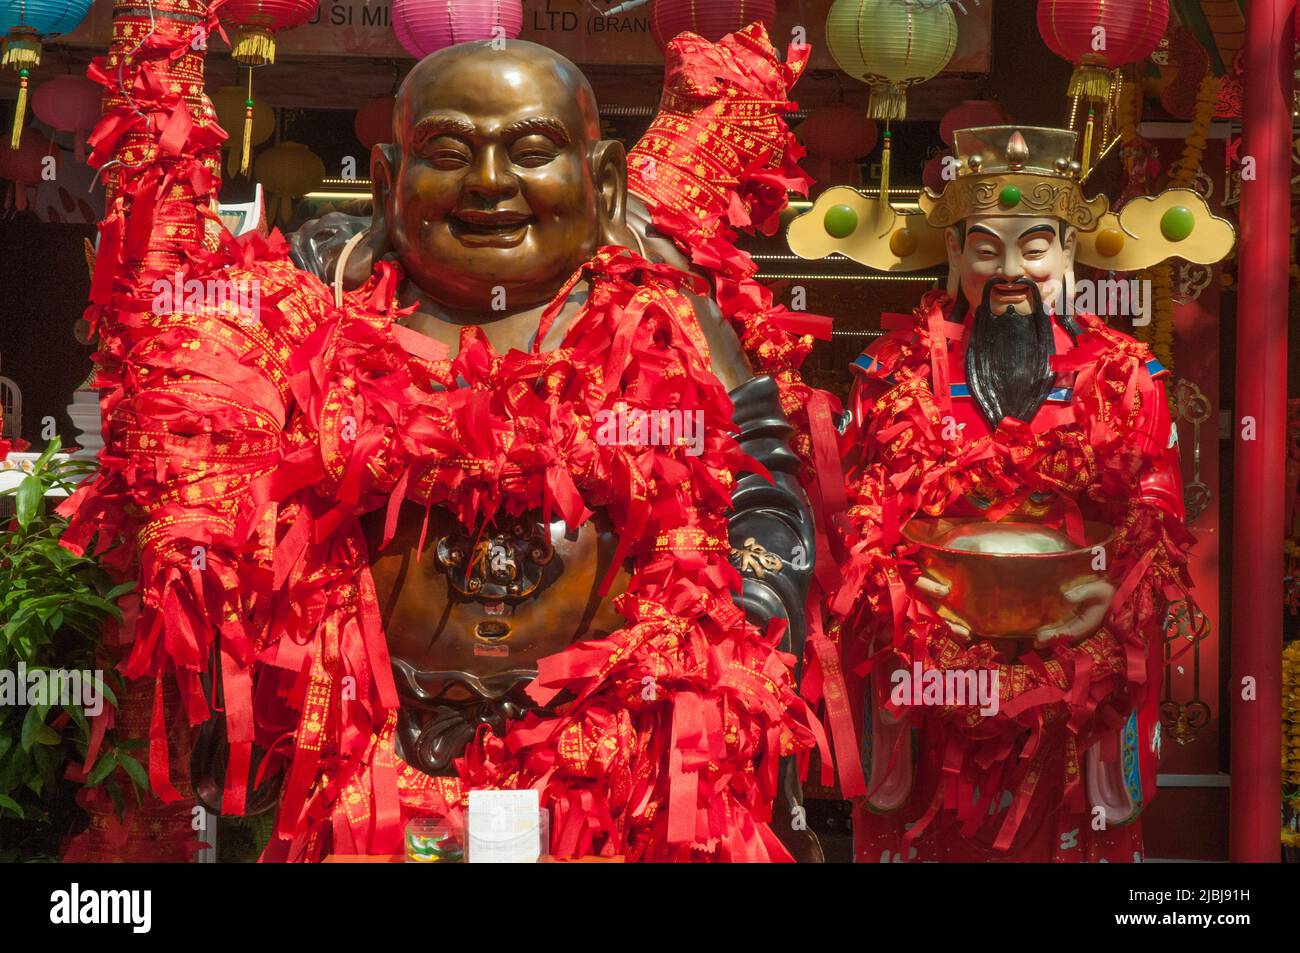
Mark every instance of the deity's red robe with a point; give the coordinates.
(1101, 447)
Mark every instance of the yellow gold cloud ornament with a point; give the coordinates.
(870, 232)
(1177, 223)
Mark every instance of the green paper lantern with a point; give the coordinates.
(890, 44)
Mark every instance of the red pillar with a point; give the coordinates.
(1255, 795)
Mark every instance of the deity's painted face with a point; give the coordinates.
(499, 195)
(1004, 249)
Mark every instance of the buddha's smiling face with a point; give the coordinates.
(501, 182)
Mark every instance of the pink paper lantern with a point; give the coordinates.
(69, 104)
(426, 26)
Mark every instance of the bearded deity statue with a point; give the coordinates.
(1014, 529)
(497, 489)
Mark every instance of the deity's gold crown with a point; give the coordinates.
(990, 149)
(1014, 170)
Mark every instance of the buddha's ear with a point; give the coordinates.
(363, 258)
(609, 170)
(384, 165)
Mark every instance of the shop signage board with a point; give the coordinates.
(575, 28)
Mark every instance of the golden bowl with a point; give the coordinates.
(1007, 580)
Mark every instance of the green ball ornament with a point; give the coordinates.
(1009, 197)
(1177, 223)
(841, 221)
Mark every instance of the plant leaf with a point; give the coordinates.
(36, 731)
(30, 496)
(49, 451)
(102, 769)
(136, 770)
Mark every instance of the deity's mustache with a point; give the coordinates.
(1008, 357)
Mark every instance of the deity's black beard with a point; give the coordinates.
(1008, 358)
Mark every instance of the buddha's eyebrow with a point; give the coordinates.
(547, 126)
(985, 231)
(431, 126)
(1039, 228)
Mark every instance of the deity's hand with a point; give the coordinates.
(1092, 601)
(939, 590)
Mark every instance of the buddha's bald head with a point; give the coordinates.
(498, 178)
(481, 73)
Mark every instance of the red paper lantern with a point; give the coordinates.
(22, 166)
(1099, 35)
(712, 20)
(827, 173)
(969, 115)
(839, 132)
(374, 122)
(257, 21)
(69, 104)
(932, 173)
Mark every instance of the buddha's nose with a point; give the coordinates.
(489, 175)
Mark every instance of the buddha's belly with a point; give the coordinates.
(470, 616)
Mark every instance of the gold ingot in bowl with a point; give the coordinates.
(1006, 580)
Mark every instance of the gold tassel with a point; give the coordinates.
(254, 46)
(248, 138)
(884, 170)
(20, 111)
(887, 101)
(246, 154)
(1090, 79)
(21, 50)
(1086, 156)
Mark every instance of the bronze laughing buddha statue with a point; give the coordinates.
(495, 194)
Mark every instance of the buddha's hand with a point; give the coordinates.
(1091, 600)
(938, 591)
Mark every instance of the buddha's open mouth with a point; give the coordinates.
(475, 227)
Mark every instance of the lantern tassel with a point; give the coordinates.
(247, 151)
(1090, 80)
(1086, 157)
(254, 46)
(20, 112)
(887, 101)
(248, 138)
(21, 51)
(884, 171)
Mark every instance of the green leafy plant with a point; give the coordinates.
(53, 608)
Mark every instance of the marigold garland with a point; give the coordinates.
(1291, 737)
(1159, 333)
(1184, 171)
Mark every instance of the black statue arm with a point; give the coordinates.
(316, 246)
(772, 544)
(771, 524)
